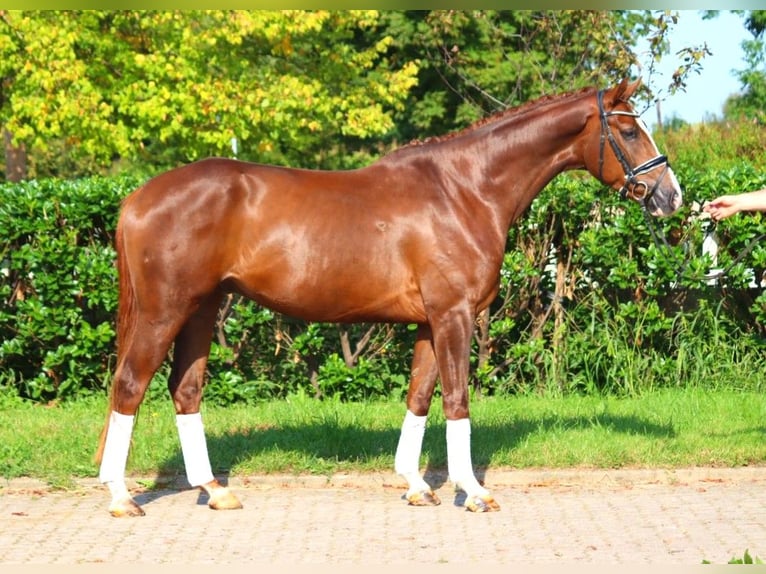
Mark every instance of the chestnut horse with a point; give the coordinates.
(416, 237)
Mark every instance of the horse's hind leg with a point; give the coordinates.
(187, 379)
(422, 383)
(139, 360)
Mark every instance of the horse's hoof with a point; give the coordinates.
(221, 497)
(224, 500)
(125, 507)
(481, 504)
(423, 498)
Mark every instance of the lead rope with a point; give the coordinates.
(662, 245)
(740, 256)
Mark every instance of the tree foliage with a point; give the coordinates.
(751, 102)
(171, 87)
(87, 91)
(477, 62)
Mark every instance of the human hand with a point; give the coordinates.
(721, 207)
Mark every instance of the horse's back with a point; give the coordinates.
(182, 186)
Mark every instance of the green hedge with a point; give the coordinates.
(58, 296)
(620, 320)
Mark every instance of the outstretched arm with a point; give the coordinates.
(727, 205)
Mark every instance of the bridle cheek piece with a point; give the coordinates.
(633, 187)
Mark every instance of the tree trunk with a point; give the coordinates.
(351, 357)
(483, 343)
(15, 159)
(563, 262)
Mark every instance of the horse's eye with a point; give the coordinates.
(629, 134)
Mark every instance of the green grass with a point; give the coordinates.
(664, 429)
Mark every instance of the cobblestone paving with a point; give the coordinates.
(551, 517)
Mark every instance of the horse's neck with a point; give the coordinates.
(523, 153)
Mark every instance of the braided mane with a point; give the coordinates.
(520, 109)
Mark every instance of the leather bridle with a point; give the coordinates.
(633, 186)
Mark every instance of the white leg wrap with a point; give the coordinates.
(115, 456)
(407, 459)
(118, 489)
(459, 457)
(194, 449)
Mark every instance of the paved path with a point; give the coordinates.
(547, 517)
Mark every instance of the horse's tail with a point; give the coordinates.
(126, 322)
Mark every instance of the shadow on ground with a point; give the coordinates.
(347, 443)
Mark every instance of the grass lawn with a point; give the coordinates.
(666, 429)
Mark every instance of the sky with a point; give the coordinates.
(705, 92)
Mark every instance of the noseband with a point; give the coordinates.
(633, 186)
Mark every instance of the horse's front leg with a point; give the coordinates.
(192, 346)
(452, 339)
(422, 381)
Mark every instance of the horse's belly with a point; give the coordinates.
(335, 296)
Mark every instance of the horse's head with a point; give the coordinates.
(622, 154)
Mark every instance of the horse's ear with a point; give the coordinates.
(625, 90)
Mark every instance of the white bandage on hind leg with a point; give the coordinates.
(459, 457)
(407, 459)
(194, 449)
(115, 456)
